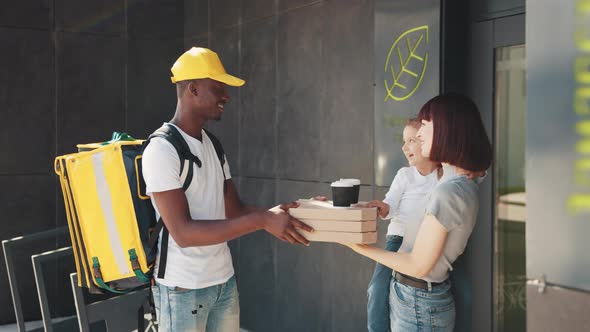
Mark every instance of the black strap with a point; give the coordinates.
(152, 305)
(155, 233)
(172, 135)
(163, 253)
(140, 319)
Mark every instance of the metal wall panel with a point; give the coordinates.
(558, 182)
(407, 54)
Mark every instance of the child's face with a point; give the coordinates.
(412, 146)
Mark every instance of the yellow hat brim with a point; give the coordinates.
(228, 79)
(223, 78)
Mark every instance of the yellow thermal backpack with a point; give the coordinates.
(111, 220)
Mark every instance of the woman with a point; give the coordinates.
(453, 134)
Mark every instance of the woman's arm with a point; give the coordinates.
(428, 247)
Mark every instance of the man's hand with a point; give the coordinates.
(280, 224)
(286, 206)
(382, 207)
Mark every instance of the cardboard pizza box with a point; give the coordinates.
(320, 210)
(340, 237)
(342, 226)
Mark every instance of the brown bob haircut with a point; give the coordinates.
(459, 137)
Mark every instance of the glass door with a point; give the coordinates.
(509, 291)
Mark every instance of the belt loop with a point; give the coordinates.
(429, 286)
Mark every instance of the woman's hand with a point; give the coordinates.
(382, 207)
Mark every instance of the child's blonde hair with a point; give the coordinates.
(414, 123)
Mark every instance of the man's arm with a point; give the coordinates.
(174, 210)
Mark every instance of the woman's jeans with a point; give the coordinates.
(378, 293)
(415, 309)
(211, 309)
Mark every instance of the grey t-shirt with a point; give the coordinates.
(454, 202)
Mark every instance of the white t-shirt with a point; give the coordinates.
(407, 198)
(192, 267)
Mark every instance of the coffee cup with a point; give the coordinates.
(342, 193)
(356, 183)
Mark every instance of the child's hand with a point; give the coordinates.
(382, 207)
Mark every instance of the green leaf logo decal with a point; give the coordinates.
(407, 61)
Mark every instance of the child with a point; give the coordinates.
(404, 202)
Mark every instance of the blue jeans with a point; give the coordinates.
(378, 292)
(415, 309)
(211, 309)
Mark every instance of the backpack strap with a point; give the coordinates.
(174, 137)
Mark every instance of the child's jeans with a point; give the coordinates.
(378, 292)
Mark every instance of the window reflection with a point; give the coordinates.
(509, 187)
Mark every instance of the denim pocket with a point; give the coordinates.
(438, 292)
(443, 318)
(178, 290)
(402, 294)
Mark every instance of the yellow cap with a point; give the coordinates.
(201, 62)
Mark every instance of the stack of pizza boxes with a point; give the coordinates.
(337, 224)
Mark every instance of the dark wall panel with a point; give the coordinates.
(302, 275)
(225, 13)
(27, 14)
(155, 18)
(30, 209)
(202, 41)
(257, 279)
(151, 96)
(477, 255)
(301, 81)
(489, 9)
(256, 9)
(196, 18)
(27, 101)
(91, 76)
(347, 276)
(226, 44)
(286, 5)
(346, 140)
(106, 16)
(258, 104)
